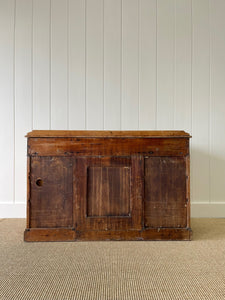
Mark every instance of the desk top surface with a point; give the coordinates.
(109, 133)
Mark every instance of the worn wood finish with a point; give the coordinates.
(188, 196)
(107, 133)
(28, 192)
(149, 234)
(126, 212)
(165, 192)
(108, 186)
(111, 186)
(49, 235)
(51, 192)
(107, 146)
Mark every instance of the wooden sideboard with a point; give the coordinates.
(108, 185)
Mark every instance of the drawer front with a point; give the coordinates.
(108, 146)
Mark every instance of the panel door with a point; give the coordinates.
(51, 202)
(165, 203)
(107, 192)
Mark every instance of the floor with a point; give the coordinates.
(113, 270)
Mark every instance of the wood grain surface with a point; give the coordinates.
(107, 133)
(51, 192)
(107, 146)
(165, 192)
(115, 187)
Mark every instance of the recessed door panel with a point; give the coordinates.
(51, 192)
(107, 193)
(165, 192)
(110, 186)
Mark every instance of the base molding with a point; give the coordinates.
(49, 235)
(149, 234)
(70, 234)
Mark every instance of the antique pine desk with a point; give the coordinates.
(108, 185)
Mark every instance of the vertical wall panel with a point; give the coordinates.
(200, 99)
(59, 65)
(112, 63)
(130, 64)
(23, 92)
(217, 160)
(94, 64)
(183, 74)
(182, 96)
(76, 64)
(41, 64)
(7, 100)
(147, 59)
(165, 63)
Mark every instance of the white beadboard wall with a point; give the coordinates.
(114, 64)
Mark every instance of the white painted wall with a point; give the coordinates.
(114, 64)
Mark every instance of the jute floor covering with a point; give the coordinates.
(113, 270)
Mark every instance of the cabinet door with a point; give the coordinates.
(108, 194)
(165, 203)
(51, 180)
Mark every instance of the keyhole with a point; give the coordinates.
(39, 182)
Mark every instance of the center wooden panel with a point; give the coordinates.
(108, 191)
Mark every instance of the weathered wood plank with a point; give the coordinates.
(110, 146)
(28, 192)
(154, 234)
(49, 235)
(51, 192)
(83, 195)
(188, 194)
(165, 192)
(111, 186)
(63, 234)
(107, 133)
